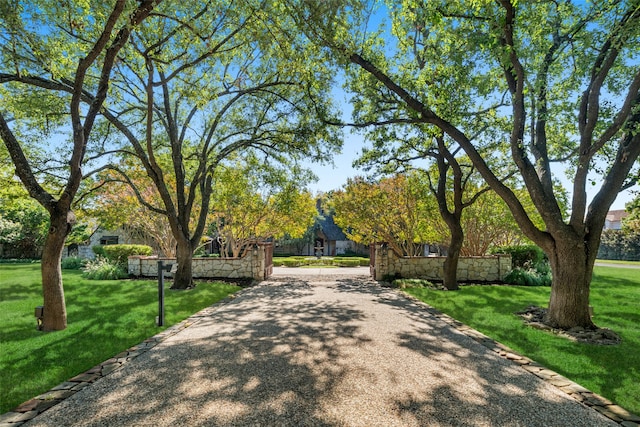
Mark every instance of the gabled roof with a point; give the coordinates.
(617, 215)
(330, 229)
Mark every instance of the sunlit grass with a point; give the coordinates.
(104, 318)
(611, 371)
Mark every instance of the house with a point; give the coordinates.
(614, 219)
(328, 239)
(99, 237)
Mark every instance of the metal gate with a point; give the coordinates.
(372, 260)
(268, 259)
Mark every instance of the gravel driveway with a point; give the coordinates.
(305, 352)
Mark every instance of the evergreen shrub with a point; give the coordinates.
(619, 245)
(120, 253)
(289, 262)
(522, 255)
(530, 265)
(73, 263)
(103, 269)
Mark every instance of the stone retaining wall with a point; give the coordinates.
(251, 265)
(470, 269)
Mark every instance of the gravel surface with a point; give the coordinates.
(338, 352)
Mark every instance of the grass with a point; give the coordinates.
(613, 261)
(611, 371)
(104, 318)
(325, 261)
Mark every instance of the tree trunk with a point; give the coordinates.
(55, 312)
(183, 278)
(572, 269)
(450, 268)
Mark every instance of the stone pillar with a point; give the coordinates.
(504, 266)
(134, 265)
(257, 262)
(382, 260)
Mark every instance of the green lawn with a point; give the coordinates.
(104, 318)
(325, 261)
(611, 371)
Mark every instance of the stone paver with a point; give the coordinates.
(330, 352)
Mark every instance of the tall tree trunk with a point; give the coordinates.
(572, 268)
(183, 278)
(450, 273)
(55, 312)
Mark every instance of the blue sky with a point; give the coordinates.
(334, 177)
(331, 177)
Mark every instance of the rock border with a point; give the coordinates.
(33, 407)
(574, 390)
(37, 405)
(534, 316)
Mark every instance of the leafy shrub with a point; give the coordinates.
(289, 262)
(529, 275)
(103, 269)
(391, 277)
(619, 245)
(98, 250)
(523, 255)
(351, 261)
(347, 262)
(73, 263)
(120, 253)
(352, 254)
(530, 265)
(299, 260)
(19, 261)
(207, 256)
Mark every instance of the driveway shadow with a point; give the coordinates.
(294, 353)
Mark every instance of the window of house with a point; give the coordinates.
(109, 240)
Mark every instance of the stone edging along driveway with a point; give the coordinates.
(39, 404)
(604, 406)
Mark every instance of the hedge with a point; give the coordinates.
(523, 255)
(120, 253)
(297, 261)
(619, 245)
(347, 262)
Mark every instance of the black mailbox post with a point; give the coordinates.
(161, 269)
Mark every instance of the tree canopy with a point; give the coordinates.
(396, 210)
(240, 90)
(52, 59)
(554, 84)
(252, 204)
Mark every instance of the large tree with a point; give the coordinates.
(451, 178)
(23, 221)
(396, 210)
(53, 54)
(254, 203)
(113, 202)
(570, 77)
(632, 222)
(488, 224)
(240, 89)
